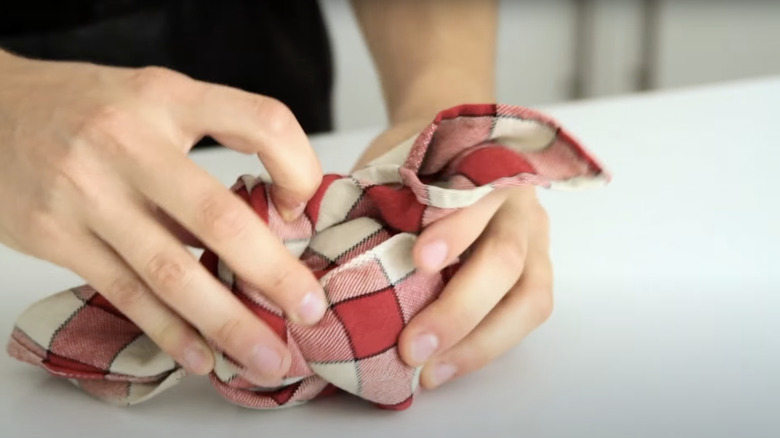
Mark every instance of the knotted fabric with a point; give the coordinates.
(356, 235)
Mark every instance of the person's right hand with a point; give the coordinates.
(94, 177)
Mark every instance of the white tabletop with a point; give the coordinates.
(667, 300)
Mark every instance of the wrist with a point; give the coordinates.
(414, 106)
(435, 90)
(390, 138)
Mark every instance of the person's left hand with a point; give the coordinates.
(502, 291)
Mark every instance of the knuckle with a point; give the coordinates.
(156, 83)
(221, 218)
(44, 235)
(71, 177)
(167, 273)
(458, 325)
(108, 129)
(508, 249)
(78, 181)
(458, 319)
(127, 294)
(279, 280)
(275, 115)
(228, 330)
(169, 336)
(543, 305)
(102, 122)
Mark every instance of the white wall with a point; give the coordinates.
(535, 51)
(698, 41)
(358, 98)
(534, 59)
(717, 40)
(616, 39)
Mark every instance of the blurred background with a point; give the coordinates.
(552, 51)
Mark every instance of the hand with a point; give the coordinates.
(94, 163)
(501, 293)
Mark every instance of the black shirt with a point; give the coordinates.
(278, 48)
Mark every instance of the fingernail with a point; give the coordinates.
(291, 214)
(434, 254)
(260, 381)
(197, 359)
(289, 211)
(423, 347)
(311, 308)
(442, 373)
(264, 361)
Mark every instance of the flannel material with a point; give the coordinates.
(356, 235)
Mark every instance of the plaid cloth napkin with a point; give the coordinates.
(356, 235)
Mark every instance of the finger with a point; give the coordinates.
(492, 269)
(108, 274)
(229, 227)
(526, 307)
(185, 286)
(262, 125)
(175, 228)
(449, 237)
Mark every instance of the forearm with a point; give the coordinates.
(430, 54)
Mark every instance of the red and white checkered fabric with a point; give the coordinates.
(356, 235)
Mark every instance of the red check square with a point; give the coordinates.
(108, 335)
(373, 322)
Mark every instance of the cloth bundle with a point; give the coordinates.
(356, 235)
